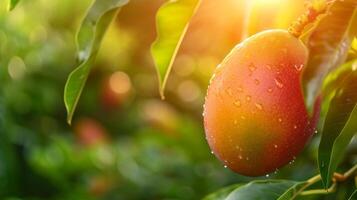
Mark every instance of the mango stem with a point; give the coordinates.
(314, 9)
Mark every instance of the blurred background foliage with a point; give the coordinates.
(125, 143)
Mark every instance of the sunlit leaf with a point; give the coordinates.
(353, 196)
(333, 80)
(89, 37)
(172, 21)
(339, 125)
(354, 44)
(328, 46)
(332, 83)
(13, 4)
(261, 189)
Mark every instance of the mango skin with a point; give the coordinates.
(254, 115)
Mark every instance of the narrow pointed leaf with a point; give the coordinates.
(332, 83)
(339, 125)
(353, 195)
(172, 21)
(13, 4)
(328, 46)
(261, 189)
(89, 38)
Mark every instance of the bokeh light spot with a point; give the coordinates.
(120, 82)
(16, 68)
(188, 91)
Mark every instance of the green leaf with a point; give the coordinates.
(332, 82)
(353, 196)
(328, 46)
(89, 38)
(222, 193)
(172, 21)
(261, 189)
(339, 125)
(293, 191)
(13, 4)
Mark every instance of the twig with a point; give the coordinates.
(320, 191)
(336, 179)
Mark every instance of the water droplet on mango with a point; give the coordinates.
(278, 83)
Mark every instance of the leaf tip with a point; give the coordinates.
(69, 121)
(69, 116)
(162, 93)
(12, 4)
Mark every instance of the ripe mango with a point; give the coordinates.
(254, 115)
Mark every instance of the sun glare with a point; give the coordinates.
(266, 2)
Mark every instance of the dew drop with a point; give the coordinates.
(248, 98)
(295, 126)
(275, 146)
(278, 83)
(225, 166)
(240, 157)
(316, 131)
(229, 92)
(269, 67)
(270, 90)
(284, 50)
(276, 171)
(256, 81)
(247, 158)
(237, 103)
(212, 152)
(280, 120)
(259, 106)
(298, 67)
(267, 175)
(252, 67)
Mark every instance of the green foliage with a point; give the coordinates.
(172, 21)
(89, 38)
(328, 45)
(144, 157)
(339, 126)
